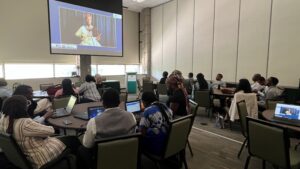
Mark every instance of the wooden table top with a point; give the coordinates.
(269, 114)
(219, 92)
(77, 124)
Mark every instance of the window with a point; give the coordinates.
(28, 71)
(1, 71)
(111, 69)
(133, 68)
(65, 70)
(93, 70)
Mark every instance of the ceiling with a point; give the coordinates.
(133, 5)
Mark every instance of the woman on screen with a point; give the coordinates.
(87, 32)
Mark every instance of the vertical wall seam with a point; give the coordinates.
(269, 40)
(238, 41)
(162, 36)
(213, 42)
(193, 43)
(176, 33)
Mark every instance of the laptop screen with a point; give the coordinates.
(133, 106)
(71, 104)
(287, 111)
(95, 111)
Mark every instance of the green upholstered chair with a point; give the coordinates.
(123, 96)
(243, 113)
(176, 142)
(271, 104)
(118, 152)
(270, 143)
(60, 102)
(14, 154)
(202, 98)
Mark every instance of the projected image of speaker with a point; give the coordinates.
(76, 29)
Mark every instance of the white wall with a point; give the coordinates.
(25, 36)
(235, 37)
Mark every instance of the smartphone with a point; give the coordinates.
(67, 122)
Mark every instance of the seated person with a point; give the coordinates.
(191, 82)
(89, 90)
(112, 122)
(271, 90)
(154, 124)
(256, 85)
(98, 80)
(163, 79)
(40, 110)
(243, 86)
(218, 82)
(32, 137)
(178, 97)
(66, 90)
(5, 91)
(201, 83)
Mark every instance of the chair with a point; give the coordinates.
(123, 96)
(271, 104)
(202, 98)
(44, 87)
(124, 151)
(242, 110)
(176, 141)
(148, 86)
(270, 143)
(60, 102)
(77, 84)
(16, 156)
(194, 108)
(161, 90)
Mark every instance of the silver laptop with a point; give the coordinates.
(287, 114)
(66, 111)
(133, 106)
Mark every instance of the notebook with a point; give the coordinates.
(91, 113)
(66, 111)
(287, 114)
(133, 106)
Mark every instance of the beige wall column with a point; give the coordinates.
(145, 40)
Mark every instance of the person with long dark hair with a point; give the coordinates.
(67, 89)
(244, 86)
(32, 137)
(201, 83)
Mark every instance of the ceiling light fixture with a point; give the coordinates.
(139, 1)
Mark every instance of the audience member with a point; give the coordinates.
(201, 83)
(190, 83)
(98, 80)
(256, 85)
(218, 83)
(154, 124)
(89, 90)
(178, 96)
(32, 137)
(271, 90)
(243, 86)
(40, 110)
(67, 89)
(114, 121)
(5, 91)
(164, 78)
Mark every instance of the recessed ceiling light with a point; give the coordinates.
(139, 1)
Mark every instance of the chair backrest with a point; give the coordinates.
(194, 108)
(44, 87)
(123, 96)
(202, 98)
(13, 152)
(243, 113)
(139, 85)
(269, 142)
(60, 102)
(231, 84)
(148, 87)
(271, 104)
(162, 89)
(178, 135)
(118, 152)
(77, 84)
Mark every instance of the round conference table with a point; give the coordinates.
(269, 114)
(225, 92)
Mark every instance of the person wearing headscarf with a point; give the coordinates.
(178, 96)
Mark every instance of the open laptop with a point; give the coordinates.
(91, 113)
(133, 106)
(66, 111)
(287, 114)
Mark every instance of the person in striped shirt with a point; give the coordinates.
(89, 90)
(32, 137)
